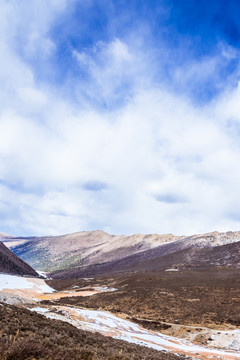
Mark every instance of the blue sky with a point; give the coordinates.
(170, 33)
(119, 115)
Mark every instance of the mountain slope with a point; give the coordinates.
(81, 249)
(160, 259)
(88, 253)
(12, 264)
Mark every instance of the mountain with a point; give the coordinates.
(96, 252)
(184, 254)
(12, 264)
(81, 249)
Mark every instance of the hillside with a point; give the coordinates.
(96, 252)
(168, 258)
(12, 264)
(81, 249)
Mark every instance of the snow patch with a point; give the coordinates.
(39, 309)
(172, 269)
(43, 274)
(13, 282)
(104, 288)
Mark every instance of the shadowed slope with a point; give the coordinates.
(162, 258)
(12, 264)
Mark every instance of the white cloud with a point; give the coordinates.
(115, 69)
(144, 153)
(164, 164)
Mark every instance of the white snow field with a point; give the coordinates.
(25, 287)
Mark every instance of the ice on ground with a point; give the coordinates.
(39, 309)
(229, 339)
(172, 269)
(88, 278)
(43, 274)
(13, 282)
(111, 325)
(104, 288)
(13, 299)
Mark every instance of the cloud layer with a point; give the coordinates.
(113, 134)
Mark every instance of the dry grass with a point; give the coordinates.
(203, 298)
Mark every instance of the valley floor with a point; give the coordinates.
(151, 308)
(202, 307)
(202, 298)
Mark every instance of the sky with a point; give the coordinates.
(119, 115)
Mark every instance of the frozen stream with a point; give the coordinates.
(111, 325)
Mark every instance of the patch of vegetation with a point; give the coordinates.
(65, 262)
(38, 259)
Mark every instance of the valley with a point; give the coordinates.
(119, 180)
(176, 299)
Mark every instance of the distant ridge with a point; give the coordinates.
(96, 252)
(53, 253)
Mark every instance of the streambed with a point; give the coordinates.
(110, 325)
